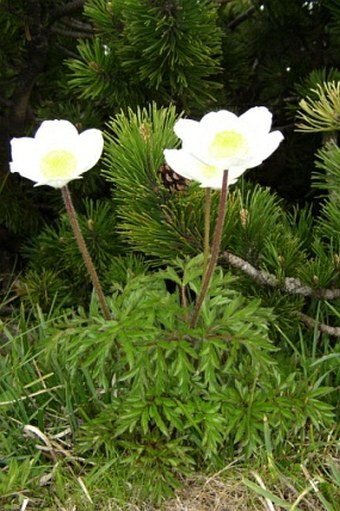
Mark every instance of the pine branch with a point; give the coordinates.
(239, 19)
(325, 329)
(69, 53)
(78, 25)
(65, 10)
(71, 33)
(290, 284)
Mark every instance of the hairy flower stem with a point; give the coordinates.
(206, 249)
(84, 252)
(214, 250)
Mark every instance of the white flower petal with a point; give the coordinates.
(256, 120)
(56, 183)
(184, 164)
(265, 148)
(274, 139)
(56, 133)
(218, 121)
(181, 162)
(90, 147)
(25, 158)
(215, 183)
(192, 137)
(186, 129)
(235, 173)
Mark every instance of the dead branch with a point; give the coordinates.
(322, 327)
(71, 33)
(290, 285)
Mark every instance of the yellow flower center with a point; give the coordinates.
(226, 144)
(208, 170)
(58, 164)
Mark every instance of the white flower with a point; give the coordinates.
(57, 154)
(221, 141)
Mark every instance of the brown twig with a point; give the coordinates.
(322, 327)
(78, 25)
(239, 19)
(290, 285)
(75, 34)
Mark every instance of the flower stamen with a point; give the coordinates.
(58, 164)
(226, 144)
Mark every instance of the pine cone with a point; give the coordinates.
(172, 181)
